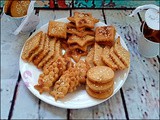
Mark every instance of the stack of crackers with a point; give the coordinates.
(100, 82)
(103, 56)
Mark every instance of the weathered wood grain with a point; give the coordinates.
(141, 89)
(35, 108)
(11, 46)
(111, 109)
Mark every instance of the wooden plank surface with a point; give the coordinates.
(10, 49)
(35, 108)
(111, 109)
(141, 90)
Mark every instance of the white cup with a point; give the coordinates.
(146, 47)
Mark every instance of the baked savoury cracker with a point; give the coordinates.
(39, 49)
(31, 45)
(121, 52)
(42, 54)
(52, 42)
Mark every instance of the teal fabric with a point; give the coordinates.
(93, 3)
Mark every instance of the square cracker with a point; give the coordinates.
(57, 29)
(105, 34)
(31, 45)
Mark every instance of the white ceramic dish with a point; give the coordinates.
(79, 98)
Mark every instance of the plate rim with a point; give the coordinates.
(32, 90)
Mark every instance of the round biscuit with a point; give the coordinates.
(19, 8)
(100, 74)
(99, 95)
(99, 87)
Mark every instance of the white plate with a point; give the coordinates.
(79, 98)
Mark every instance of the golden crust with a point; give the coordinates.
(105, 34)
(57, 29)
(99, 95)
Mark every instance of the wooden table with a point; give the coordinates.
(138, 98)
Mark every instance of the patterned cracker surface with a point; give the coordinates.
(121, 52)
(39, 49)
(57, 29)
(67, 83)
(81, 41)
(107, 59)
(47, 79)
(57, 53)
(41, 55)
(31, 45)
(115, 58)
(52, 42)
(89, 58)
(97, 60)
(84, 20)
(105, 34)
(82, 67)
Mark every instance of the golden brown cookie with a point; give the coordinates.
(57, 54)
(45, 51)
(77, 47)
(81, 41)
(105, 34)
(121, 52)
(107, 59)
(73, 25)
(97, 60)
(50, 54)
(89, 58)
(99, 87)
(100, 74)
(67, 83)
(99, 95)
(84, 20)
(116, 60)
(49, 77)
(39, 49)
(31, 45)
(72, 30)
(57, 29)
(82, 68)
(19, 8)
